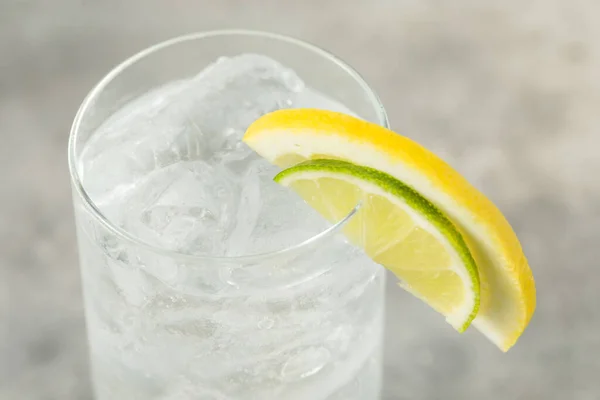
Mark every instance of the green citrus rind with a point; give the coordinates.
(395, 189)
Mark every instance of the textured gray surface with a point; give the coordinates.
(507, 91)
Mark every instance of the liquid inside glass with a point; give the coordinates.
(170, 169)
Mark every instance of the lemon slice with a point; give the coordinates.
(507, 298)
(398, 229)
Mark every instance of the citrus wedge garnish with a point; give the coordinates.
(507, 295)
(397, 228)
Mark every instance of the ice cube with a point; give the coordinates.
(203, 117)
(188, 206)
(284, 219)
(146, 134)
(237, 159)
(247, 214)
(304, 363)
(225, 98)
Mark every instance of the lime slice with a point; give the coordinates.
(507, 299)
(398, 229)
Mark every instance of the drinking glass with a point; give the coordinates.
(303, 322)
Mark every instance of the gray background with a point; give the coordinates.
(507, 91)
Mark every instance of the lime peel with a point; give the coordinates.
(425, 215)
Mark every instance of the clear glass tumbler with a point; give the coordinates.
(304, 322)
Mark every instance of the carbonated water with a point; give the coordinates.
(182, 317)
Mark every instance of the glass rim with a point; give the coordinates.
(123, 234)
